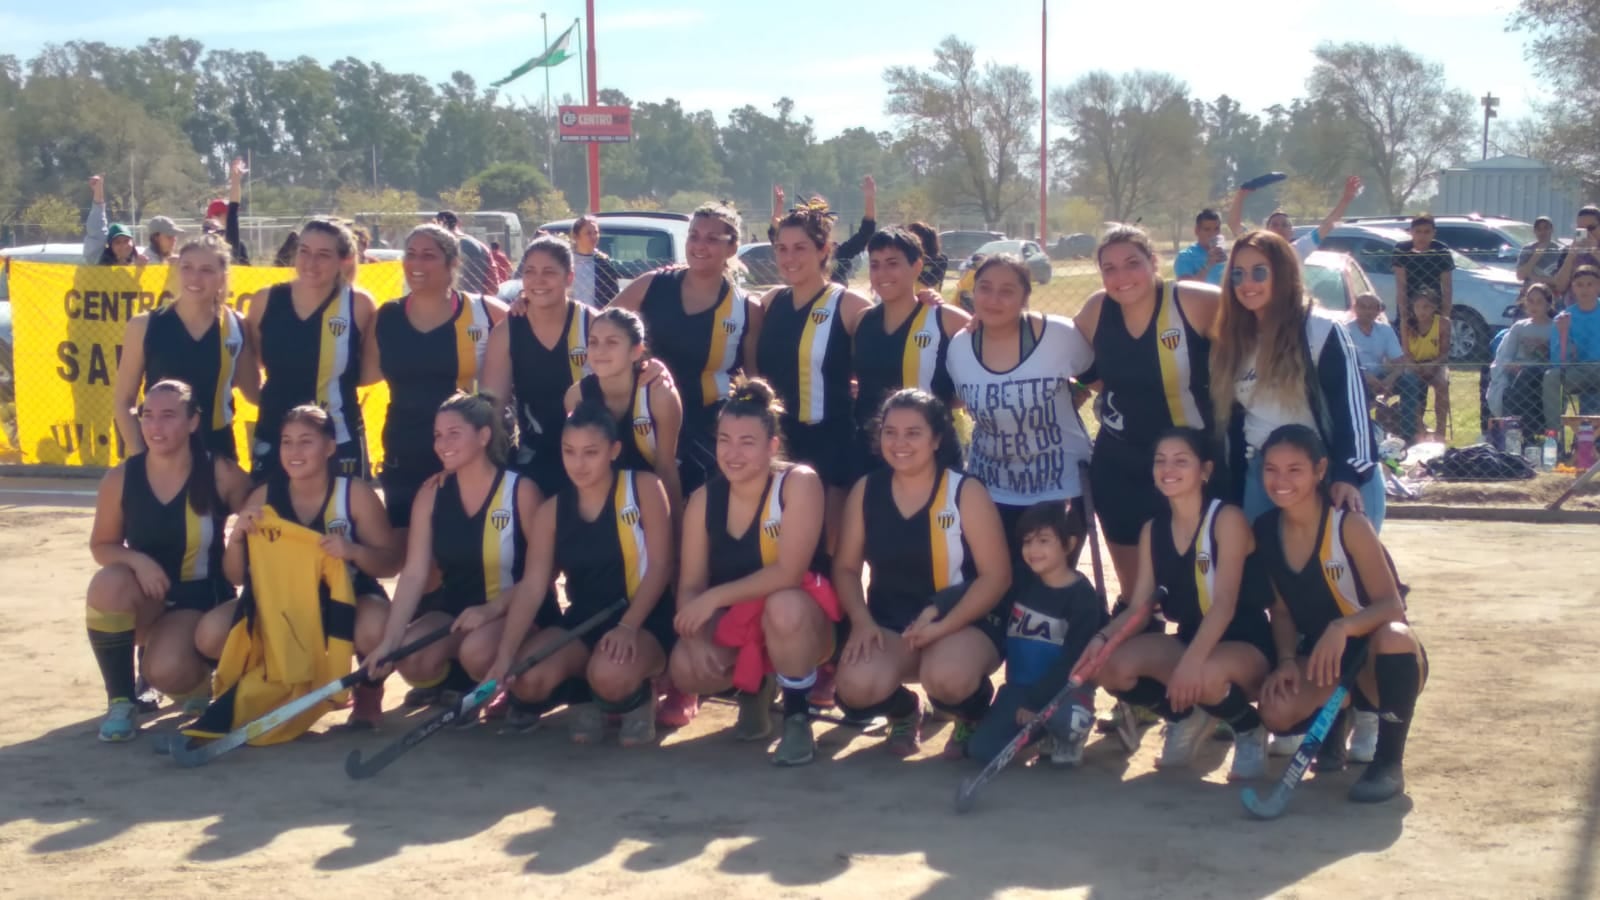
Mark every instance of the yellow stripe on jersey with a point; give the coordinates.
(772, 519)
(333, 355)
(944, 531)
(1336, 568)
(577, 340)
(644, 424)
(921, 353)
(472, 340)
(630, 531)
(1205, 557)
(197, 535)
(1172, 350)
(726, 322)
(813, 350)
(227, 349)
(499, 539)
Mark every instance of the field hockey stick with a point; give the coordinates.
(359, 768)
(967, 791)
(1577, 485)
(1273, 805)
(189, 757)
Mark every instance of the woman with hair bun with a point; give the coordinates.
(754, 598)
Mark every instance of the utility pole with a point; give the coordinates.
(594, 100)
(1044, 124)
(549, 123)
(1489, 101)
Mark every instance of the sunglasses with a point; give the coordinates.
(1258, 274)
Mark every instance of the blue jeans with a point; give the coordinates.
(999, 724)
(1256, 501)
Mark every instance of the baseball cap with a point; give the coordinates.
(216, 208)
(117, 230)
(163, 225)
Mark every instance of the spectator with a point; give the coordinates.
(1516, 377)
(934, 263)
(844, 254)
(1541, 260)
(595, 278)
(106, 244)
(499, 263)
(222, 217)
(1575, 346)
(1583, 252)
(474, 256)
(163, 239)
(1205, 258)
(1423, 263)
(287, 251)
(1383, 362)
(1427, 343)
(1281, 225)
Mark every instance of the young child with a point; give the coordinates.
(1053, 616)
(1429, 349)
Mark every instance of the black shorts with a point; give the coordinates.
(828, 446)
(992, 625)
(221, 443)
(402, 477)
(544, 468)
(697, 454)
(658, 624)
(349, 459)
(1125, 495)
(365, 585)
(452, 605)
(1256, 635)
(201, 596)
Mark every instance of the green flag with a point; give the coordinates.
(554, 55)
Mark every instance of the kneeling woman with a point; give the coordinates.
(473, 523)
(1336, 588)
(752, 586)
(610, 533)
(923, 527)
(157, 537)
(1192, 570)
(346, 511)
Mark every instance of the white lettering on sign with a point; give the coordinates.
(597, 119)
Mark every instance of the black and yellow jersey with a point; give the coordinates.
(1153, 382)
(911, 356)
(424, 368)
(732, 558)
(606, 558)
(312, 360)
(701, 350)
(1328, 587)
(185, 544)
(636, 427)
(206, 365)
(540, 377)
(914, 557)
(805, 354)
(480, 555)
(1186, 581)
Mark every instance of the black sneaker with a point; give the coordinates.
(1381, 781)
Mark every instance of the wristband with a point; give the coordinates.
(627, 626)
(1287, 659)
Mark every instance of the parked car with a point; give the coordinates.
(760, 266)
(962, 244)
(636, 242)
(51, 253)
(1073, 246)
(1037, 262)
(1491, 240)
(1485, 297)
(1335, 280)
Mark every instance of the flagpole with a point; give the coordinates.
(594, 100)
(549, 124)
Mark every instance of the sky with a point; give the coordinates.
(827, 55)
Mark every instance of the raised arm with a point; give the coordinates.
(95, 227)
(1352, 188)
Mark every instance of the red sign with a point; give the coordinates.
(596, 124)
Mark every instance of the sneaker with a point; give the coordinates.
(1182, 739)
(755, 712)
(195, 704)
(1364, 737)
(1284, 744)
(367, 711)
(677, 709)
(821, 696)
(587, 724)
(956, 747)
(797, 747)
(1249, 755)
(638, 726)
(1378, 783)
(521, 718)
(1127, 727)
(121, 722)
(1067, 752)
(146, 698)
(498, 707)
(905, 733)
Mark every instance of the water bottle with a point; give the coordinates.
(1514, 436)
(1549, 450)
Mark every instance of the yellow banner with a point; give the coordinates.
(67, 324)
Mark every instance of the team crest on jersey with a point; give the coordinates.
(500, 518)
(271, 534)
(338, 325)
(475, 333)
(630, 515)
(1203, 563)
(1334, 569)
(341, 527)
(819, 316)
(772, 528)
(946, 519)
(643, 425)
(922, 339)
(729, 326)
(579, 355)
(1171, 338)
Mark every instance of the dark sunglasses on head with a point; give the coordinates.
(1257, 274)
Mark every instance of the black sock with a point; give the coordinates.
(901, 703)
(1150, 694)
(974, 706)
(111, 638)
(1234, 709)
(571, 692)
(627, 704)
(797, 693)
(1399, 681)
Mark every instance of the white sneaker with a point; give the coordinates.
(1364, 737)
(1284, 744)
(1182, 739)
(1068, 752)
(1249, 754)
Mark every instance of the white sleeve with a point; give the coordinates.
(1076, 354)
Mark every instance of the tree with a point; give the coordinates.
(980, 119)
(54, 216)
(462, 199)
(1564, 34)
(1132, 145)
(508, 185)
(1408, 122)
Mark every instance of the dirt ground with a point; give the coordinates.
(1504, 779)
